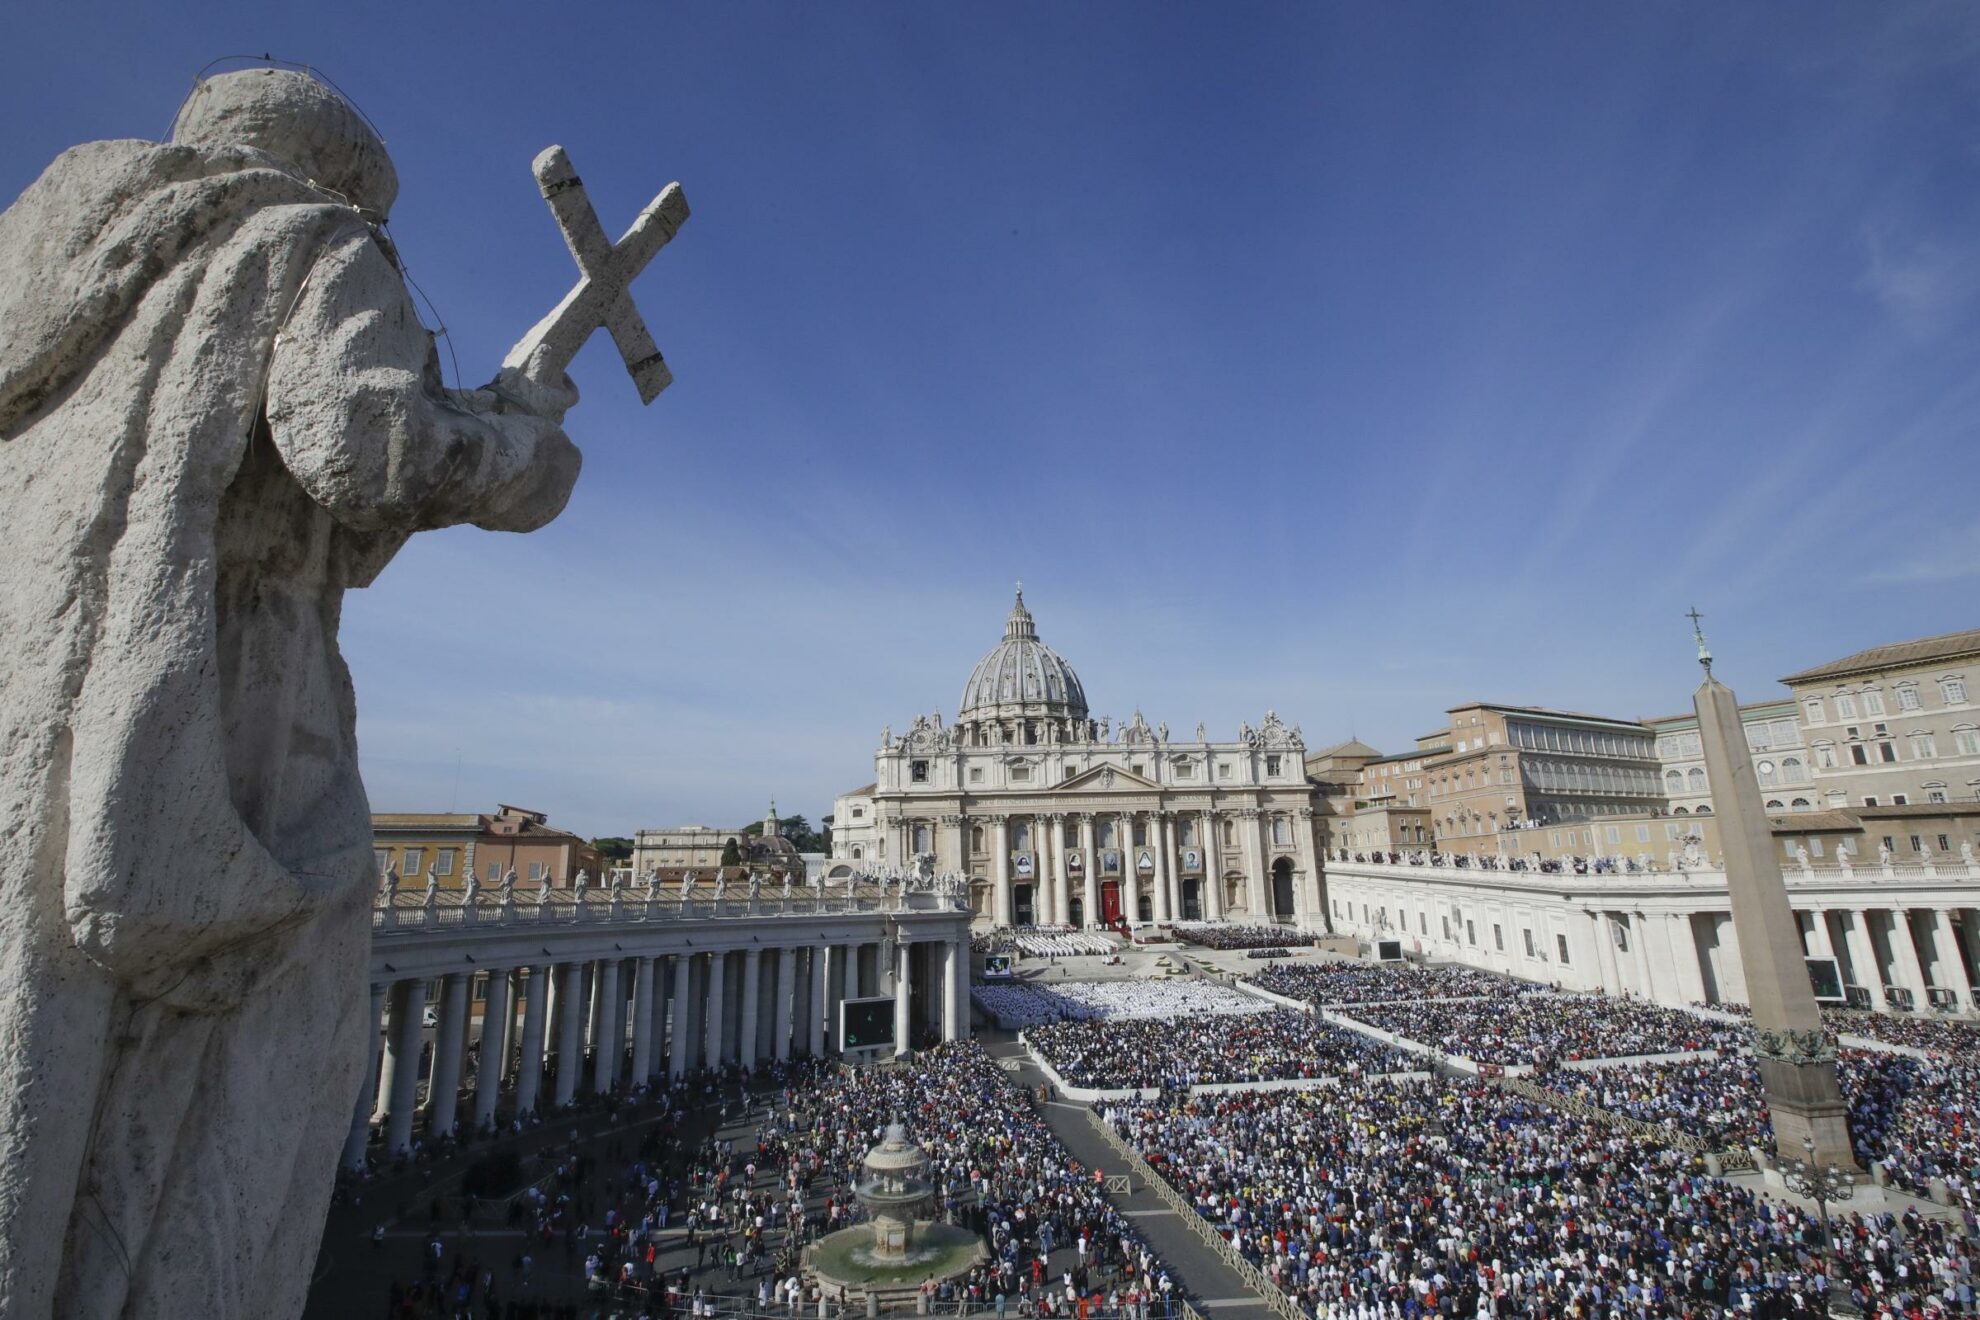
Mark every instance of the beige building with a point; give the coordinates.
(1060, 818)
(449, 847)
(1894, 725)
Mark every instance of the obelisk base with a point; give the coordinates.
(1806, 1104)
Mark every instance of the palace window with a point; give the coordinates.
(414, 856)
(1907, 696)
(858, 853)
(1020, 774)
(1845, 707)
(1021, 837)
(1825, 756)
(382, 857)
(1280, 832)
(1952, 691)
(859, 813)
(1814, 708)
(1922, 746)
(918, 772)
(1694, 780)
(976, 838)
(1141, 834)
(1271, 765)
(1873, 703)
(976, 774)
(1185, 770)
(1223, 769)
(921, 838)
(1966, 739)
(1106, 836)
(1792, 771)
(444, 861)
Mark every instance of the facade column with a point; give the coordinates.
(1863, 964)
(443, 1091)
(529, 1069)
(1130, 873)
(903, 996)
(752, 992)
(1904, 952)
(819, 1010)
(1690, 983)
(1061, 893)
(494, 1047)
(1211, 849)
(642, 1046)
(1250, 834)
(780, 1017)
(1089, 873)
(360, 1133)
(712, 1009)
(955, 998)
(1003, 901)
(1306, 894)
(678, 1010)
(1162, 842)
(570, 1032)
(1816, 935)
(406, 1042)
(606, 1035)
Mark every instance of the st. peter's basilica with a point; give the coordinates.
(1062, 819)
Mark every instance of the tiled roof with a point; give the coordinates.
(1945, 646)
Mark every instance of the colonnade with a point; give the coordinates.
(1901, 943)
(538, 1030)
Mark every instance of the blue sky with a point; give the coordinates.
(1348, 360)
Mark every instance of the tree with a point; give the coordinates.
(731, 854)
(613, 848)
(798, 830)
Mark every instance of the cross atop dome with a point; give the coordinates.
(1020, 624)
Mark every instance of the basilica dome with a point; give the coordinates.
(1022, 677)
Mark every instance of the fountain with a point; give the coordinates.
(890, 1258)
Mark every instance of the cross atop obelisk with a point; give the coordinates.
(604, 295)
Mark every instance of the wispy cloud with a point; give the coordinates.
(1924, 283)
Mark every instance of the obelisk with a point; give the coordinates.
(1797, 1061)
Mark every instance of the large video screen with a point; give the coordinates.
(866, 1023)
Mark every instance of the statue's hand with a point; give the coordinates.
(513, 390)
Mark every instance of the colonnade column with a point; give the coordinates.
(642, 1046)
(443, 1091)
(606, 1035)
(1130, 873)
(677, 1039)
(1089, 873)
(360, 1133)
(1162, 839)
(955, 971)
(1605, 952)
(1250, 837)
(712, 1009)
(1639, 946)
(1211, 848)
(1863, 963)
(1818, 944)
(780, 1017)
(570, 1031)
(752, 990)
(405, 1042)
(1684, 958)
(903, 995)
(1307, 896)
(1904, 952)
(536, 1005)
(494, 1047)
(1004, 905)
(820, 965)
(1945, 942)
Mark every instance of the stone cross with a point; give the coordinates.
(603, 296)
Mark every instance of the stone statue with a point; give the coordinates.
(1161, 733)
(543, 890)
(470, 891)
(218, 412)
(1883, 854)
(721, 885)
(1801, 856)
(391, 883)
(687, 885)
(1966, 853)
(582, 885)
(755, 885)
(432, 884)
(508, 886)
(1199, 732)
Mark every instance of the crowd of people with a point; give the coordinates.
(1058, 1247)
(1331, 983)
(1016, 1005)
(1390, 1198)
(1183, 1052)
(1062, 944)
(1549, 1028)
(1228, 937)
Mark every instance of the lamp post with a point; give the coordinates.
(1823, 1186)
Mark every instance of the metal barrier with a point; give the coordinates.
(1256, 1279)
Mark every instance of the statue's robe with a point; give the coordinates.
(218, 410)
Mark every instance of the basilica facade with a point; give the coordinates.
(1062, 819)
